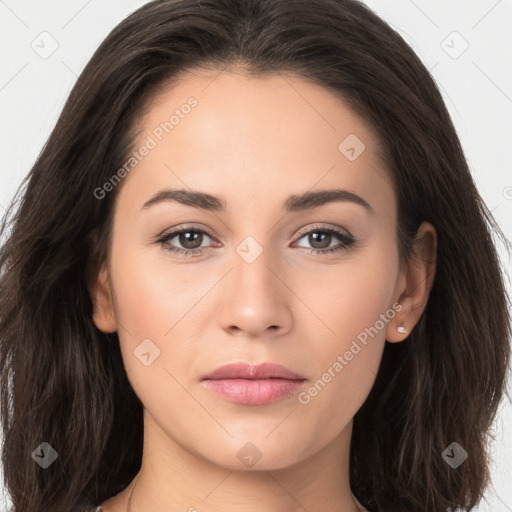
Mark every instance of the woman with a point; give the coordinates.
(168, 342)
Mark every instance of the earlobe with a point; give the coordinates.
(419, 278)
(397, 331)
(101, 297)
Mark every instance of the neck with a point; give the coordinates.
(173, 479)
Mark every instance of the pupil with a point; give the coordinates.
(319, 235)
(185, 239)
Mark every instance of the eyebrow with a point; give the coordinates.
(294, 203)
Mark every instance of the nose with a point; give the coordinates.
(255, 298)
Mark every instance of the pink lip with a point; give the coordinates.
(256, 371)
(253, 384)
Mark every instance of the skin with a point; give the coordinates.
(253, 142)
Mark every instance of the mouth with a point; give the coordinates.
(247, 384)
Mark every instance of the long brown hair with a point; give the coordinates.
(63, 381)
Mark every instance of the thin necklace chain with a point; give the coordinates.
(128, 508)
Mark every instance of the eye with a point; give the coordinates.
(191, 240)
(320, 238)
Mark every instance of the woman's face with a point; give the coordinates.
(255, 285)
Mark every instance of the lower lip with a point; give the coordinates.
(253, 392)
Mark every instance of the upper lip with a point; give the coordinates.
(243, 370)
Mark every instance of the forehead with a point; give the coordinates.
(212, 130)
(267, 107)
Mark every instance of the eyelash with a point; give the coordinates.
(347, 240)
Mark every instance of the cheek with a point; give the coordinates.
(347, 335)
(160, 302)
(155, 343)
(349, 296)
(152, 294)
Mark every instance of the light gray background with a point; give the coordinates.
(476, 84)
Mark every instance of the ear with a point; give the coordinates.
(101, 297)
(415, 283)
